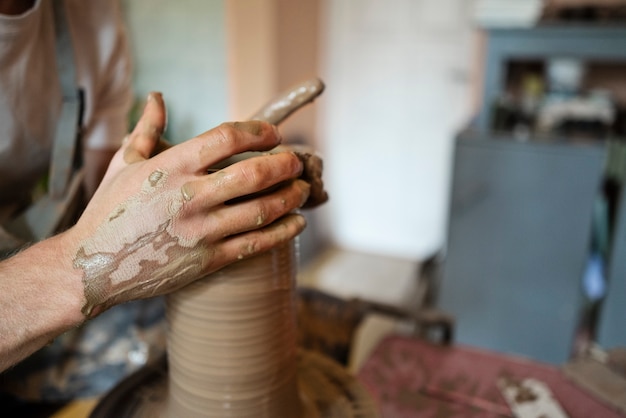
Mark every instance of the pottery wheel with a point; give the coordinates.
(326, 390)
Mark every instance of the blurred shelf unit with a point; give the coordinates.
(511, 51)
(515, 208)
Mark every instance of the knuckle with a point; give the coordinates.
(250, 174)
(227, 136)
(257, 173)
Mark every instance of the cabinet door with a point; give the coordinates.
(518, 241)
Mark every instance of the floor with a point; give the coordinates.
(373, 277)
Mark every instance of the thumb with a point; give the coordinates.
(143, 140)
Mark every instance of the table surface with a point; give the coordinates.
(410, 377)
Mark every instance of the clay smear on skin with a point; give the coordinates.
(120, 264)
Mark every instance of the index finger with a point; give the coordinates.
(218, 144)
(145, 136)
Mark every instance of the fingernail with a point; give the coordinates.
(152, 96)
(277, 135)
(306, 191)
(299, 167)
(301, 221)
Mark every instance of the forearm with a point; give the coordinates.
(40, 298)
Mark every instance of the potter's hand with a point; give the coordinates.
(158, 223)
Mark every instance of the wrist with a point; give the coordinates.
(73, 277)
(62, 281)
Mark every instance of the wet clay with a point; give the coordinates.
(283, 105)
(232, 350)
(232, 341)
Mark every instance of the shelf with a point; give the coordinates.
(600, 44)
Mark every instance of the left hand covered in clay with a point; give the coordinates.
(157, 223)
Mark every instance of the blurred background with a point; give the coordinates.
(473, 149)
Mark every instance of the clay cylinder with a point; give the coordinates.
(232, 341)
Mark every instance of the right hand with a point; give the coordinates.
(158, 223)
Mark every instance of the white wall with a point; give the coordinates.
(398, 88)
(179, 49)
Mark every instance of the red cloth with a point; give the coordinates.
(414, 378)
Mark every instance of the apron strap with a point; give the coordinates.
(66, 153)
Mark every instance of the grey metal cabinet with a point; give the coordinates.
(517, 242)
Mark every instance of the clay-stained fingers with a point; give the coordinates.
(259, 212)
(241, 179)
(143, 140)
(251, 243)
(214, 146)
